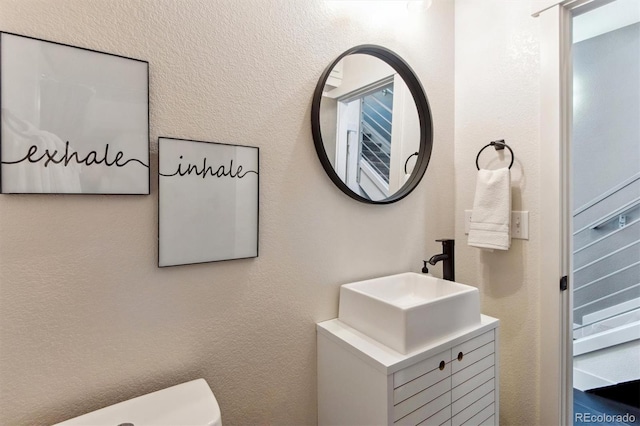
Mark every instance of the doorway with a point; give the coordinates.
(605, 213)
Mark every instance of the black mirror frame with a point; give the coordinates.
(424, 115)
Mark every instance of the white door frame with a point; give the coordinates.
(556, 349)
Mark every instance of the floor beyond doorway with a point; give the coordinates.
(588, 407)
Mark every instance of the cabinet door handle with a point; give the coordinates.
(460, 356)
(442, 364)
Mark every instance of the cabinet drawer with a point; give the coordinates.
(468, 358)
(426, 411)
(423, 382)
(473, 344)
(477, 380)
(423, 367)
(420, 399)
(471, 411)
(473, 370)
(472, 397)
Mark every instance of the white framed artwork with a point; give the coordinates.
(207, 201)
(73, 120)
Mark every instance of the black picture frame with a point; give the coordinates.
(198, 184)
(79, 142)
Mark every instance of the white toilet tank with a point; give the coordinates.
(188, 404)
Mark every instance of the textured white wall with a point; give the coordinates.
(497, 97)
(86, 317)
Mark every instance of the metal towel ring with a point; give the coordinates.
(499, 145)
(407, 162)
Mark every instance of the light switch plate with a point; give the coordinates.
(519, 224)
(467, 221)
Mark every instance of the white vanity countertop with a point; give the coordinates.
(386, 359)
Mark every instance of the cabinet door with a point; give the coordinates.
(422, 392)
(473, 381)
(456, 387)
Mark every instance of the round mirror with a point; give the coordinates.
(371, 125)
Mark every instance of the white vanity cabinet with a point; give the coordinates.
(451, 382)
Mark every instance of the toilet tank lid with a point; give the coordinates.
(190, 403)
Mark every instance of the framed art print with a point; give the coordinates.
(207, 201)
(73, 120)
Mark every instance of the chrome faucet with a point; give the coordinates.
(448, 259)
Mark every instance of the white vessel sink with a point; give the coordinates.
(408, 311)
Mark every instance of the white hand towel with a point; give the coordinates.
(491, 216)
